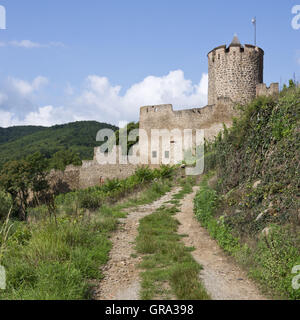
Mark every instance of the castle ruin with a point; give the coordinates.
(235, 76)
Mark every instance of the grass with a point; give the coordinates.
(56, 260)
(169, 267)
(268, 260)
(152, 193)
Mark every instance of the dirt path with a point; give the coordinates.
(121, 275)
(223, 279)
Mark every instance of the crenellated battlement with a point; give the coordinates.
(161, 113)
(263, 90)
(233, 49)
(156, 108)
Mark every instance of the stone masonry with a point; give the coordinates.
(235, 77)
(234, 72)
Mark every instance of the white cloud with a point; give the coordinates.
(28, 44)
(101, 101)
(25, 44)
(18, 98)
(25, 87)
(46, 116)
(6, 119)
(172, 88)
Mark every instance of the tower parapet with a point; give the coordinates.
(234, 72)
(263, 90)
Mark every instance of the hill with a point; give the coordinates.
(251, 205)
(14, 133)
(79, 137)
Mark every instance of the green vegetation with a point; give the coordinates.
(5, 204)
(123, 137)
(269, 261)
(61, 258)
(206, 203)
(252, 208)
(63, 158)
(79, 137)
(115, 189)
(18, 178)
(125, 132)
(14, 133)
(170, 268)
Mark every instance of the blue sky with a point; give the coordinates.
(101, 60)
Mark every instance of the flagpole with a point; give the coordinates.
(254, 22)
(255, 32)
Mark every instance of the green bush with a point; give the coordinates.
(112, 185)
(165, 172)
(205, 203)
(275, 257)
(144, 174)
(91, 199)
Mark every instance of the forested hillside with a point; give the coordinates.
(13, 133)
(78, 137)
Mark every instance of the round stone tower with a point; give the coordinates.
(234, 72)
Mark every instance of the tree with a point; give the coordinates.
(19, 178)
(15, 179)
(63, 158)
(292, 84)
(37, 166)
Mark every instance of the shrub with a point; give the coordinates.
(144, 174)
(91, 199)
(275, 256)
(112, 185)
(165, 172)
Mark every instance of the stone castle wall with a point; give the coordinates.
(234, 73)
(92, 173)
(74, 178)
(209, 118)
